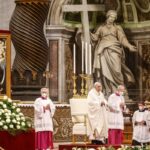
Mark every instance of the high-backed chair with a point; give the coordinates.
(79, 117)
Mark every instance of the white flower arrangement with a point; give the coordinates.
(11, 117)
(123, 147)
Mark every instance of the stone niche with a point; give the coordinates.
(139, 63)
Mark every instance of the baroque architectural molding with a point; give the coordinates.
(55, 15)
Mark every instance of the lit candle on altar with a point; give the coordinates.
(86, 58)
(82, 57)
(90, 59)
(74, 58)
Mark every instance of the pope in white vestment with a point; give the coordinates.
(141, 126)
(97, 114)
(43, 112)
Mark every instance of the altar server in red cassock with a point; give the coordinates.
(116, 104)
(43, 112)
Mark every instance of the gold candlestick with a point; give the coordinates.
(74, 77)
(88, 79)
(82, 84)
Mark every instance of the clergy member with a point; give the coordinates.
(141, 133)
(43, 112)
(116, 104)
(97, 115)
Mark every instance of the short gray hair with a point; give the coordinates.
(97, 83)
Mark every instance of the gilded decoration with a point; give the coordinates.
(62, 122)
(5, 55)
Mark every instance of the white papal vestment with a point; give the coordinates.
(141, 133)
(97, 115)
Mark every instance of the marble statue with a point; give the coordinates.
(109, 59)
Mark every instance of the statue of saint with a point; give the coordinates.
(109, 59)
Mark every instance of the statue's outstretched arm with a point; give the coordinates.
(123, 39)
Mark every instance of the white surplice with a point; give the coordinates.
(97, 115)
(43, 119)
(141, 133)
(115, 119)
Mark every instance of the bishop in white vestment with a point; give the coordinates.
(97, 114)
(44, 111)
(141, 132)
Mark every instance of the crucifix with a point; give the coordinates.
(84, 8)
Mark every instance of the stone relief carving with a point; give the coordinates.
(136, 10)
(143, 6)
(145, 48)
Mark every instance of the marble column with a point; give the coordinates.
(60, 61)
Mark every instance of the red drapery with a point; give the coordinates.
(21, 141)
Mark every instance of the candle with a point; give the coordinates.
(82, 57)
(86, 58)
(90, 59)
(74, 58)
